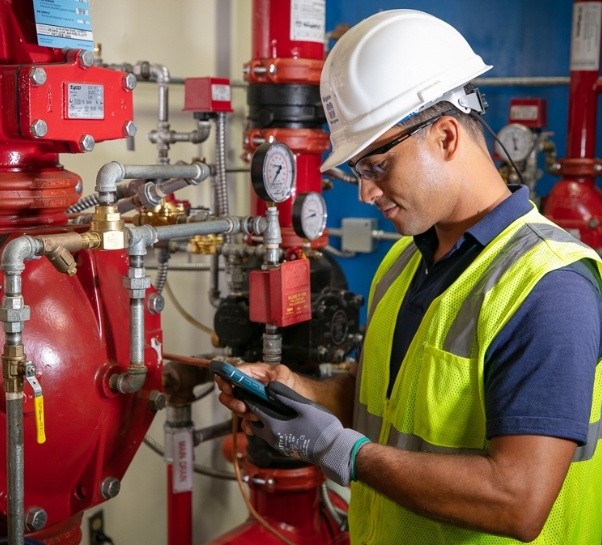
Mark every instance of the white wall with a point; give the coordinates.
(191, 38)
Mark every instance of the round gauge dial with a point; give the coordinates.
(273, 171)
(309, 215)
(518, 140)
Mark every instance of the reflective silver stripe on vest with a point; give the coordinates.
(366, 423)
(463, 331)
(390, 276)
(409, 441)
(594, 434)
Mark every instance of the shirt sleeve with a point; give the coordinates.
(539, 371)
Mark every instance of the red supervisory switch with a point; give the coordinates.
(207, 95)
(530, 112)
(281, 296)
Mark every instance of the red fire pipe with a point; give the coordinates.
(575, 202)
(179, 514)
(279, 59)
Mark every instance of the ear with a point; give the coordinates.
(447, 135)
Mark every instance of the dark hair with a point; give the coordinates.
(470, 124)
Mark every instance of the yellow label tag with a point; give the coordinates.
(38, 403)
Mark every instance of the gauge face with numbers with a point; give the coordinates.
(518, 140)
(273, 171)
(309, 215)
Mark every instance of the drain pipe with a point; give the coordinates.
(137, 282)
(13, 314)
(15, 367)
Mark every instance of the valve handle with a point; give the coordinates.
(38, 401)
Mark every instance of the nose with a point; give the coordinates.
(368, 191)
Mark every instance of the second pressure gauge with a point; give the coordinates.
(273, 171)
(309, 215)
(518, 140)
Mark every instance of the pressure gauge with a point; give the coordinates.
(309, 215)
(273, 171)
(518, 140)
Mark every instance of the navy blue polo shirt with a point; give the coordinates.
(539, 371)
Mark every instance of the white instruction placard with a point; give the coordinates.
(585, 40)
(308, 20)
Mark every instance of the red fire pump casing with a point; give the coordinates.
(281, 296)
(575, 203)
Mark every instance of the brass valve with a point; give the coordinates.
(13, 368)
(107, 222)
(166, 213)
(205, 244)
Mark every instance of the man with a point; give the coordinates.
(474, 414)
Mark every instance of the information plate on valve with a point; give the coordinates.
(281, 296)
(85, 101)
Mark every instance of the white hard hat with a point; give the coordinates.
(386, 68)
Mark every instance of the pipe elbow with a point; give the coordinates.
(17, 251)
(160, 72)
(108, 176)
(130, 382)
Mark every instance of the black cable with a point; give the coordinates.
(476, 116)
(101, 538)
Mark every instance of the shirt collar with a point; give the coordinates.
(489, 227)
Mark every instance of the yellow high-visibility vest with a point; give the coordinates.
(437, 402)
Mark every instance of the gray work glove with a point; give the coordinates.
(314, 435)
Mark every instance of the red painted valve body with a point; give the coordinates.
(78, 333)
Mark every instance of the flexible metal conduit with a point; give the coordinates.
(221, 201)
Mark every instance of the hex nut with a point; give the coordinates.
(39, 128)
(35, 519)
(85, 58)
(129, 82)
(38, 76)
(86, 143)
(13, 327)
(136, 272)
(109, 488)
(130, 128)
(136, 283)
(155, 303)
(156, 401)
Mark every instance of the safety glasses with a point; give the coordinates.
(373, 166)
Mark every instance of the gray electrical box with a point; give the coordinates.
(357, 235)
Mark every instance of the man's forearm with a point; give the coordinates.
(508, 494)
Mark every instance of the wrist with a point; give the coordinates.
(353, 457)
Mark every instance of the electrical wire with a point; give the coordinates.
(185, 315)
(245, 497)
(476, 116)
